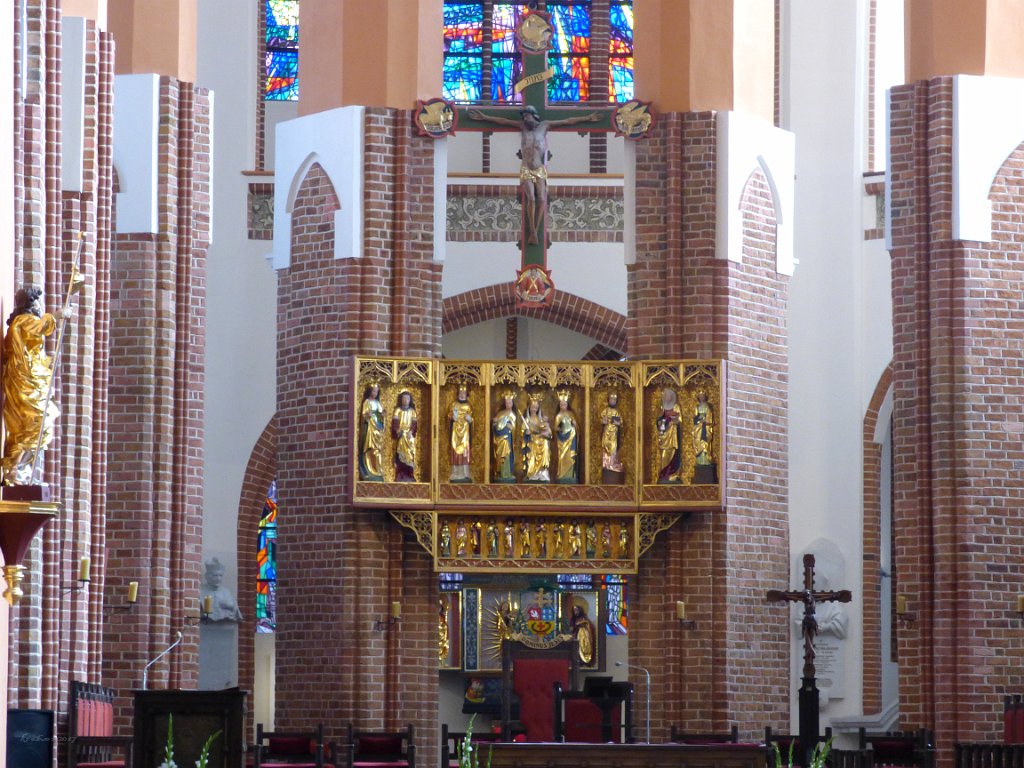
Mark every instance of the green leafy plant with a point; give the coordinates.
(818, 759)
(469, 753)
(169, 748)
(204, 756)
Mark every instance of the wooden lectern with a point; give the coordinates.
(197, 715)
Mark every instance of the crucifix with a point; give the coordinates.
(533, 118)
(808, 694)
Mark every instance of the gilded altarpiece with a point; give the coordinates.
(538, 467)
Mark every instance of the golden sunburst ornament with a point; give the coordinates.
(502, 618)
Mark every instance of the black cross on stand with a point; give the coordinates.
(533, 118)
(808, 695)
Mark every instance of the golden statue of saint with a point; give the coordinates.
(371, 437)
(612, 472)
(567, 439)
(29, 413)
(670, 458)
(536, 443)
(502, 439)
(461, 421)
(403, 430)
(583, 630)
(703, 431)
(443, 641)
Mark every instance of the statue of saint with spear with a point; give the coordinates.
(29, 412)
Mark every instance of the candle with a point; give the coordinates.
(681, 610)
(396, 610)
(901, 605)
(83, 569)
(208, 605)
(133, 591)
(1020, 603)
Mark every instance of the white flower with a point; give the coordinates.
(168, 764)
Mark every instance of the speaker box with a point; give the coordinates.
(29, 738)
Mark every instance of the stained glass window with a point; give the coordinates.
(615, 596)
(282, 57)
(266, 562)
(481, 63)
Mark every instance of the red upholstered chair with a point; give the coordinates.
(91, 739)
(529, 674)
(278, 749)
(381, 749)
(901, 749)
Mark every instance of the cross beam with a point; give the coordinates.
(808, 694)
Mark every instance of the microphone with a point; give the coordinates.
(648, 674)
(159, 656)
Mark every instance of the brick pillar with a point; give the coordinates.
(957, 448)
(155, 403)
(685, 300)
(340, 567)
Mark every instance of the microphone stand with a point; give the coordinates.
(648, 674)
(162, 653)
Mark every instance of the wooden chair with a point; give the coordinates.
(451, 742)
(381, 749)
(292, 749)
(900, 749)
(529, 674)
(687, 737)
(91, 739)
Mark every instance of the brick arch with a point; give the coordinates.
(259, 472)
(567, 310)
(872, 546)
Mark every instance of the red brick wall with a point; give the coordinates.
(155, 404)
(683, 302)
(871, 576)
(387, 301)
(957, 451)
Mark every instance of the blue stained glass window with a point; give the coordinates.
(620, 52)
(282, 57)
(463, 51)
(506, 62)
(570, 50)
(266, 562)
(615, 591)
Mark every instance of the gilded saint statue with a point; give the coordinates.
(670, 457)
(536, 442)
(705, 470)
(461, 418)
(371, 435)
(567, 440)
(29, 412)
(503, 427)
(583, 631)
(612, 472)
(403, 430)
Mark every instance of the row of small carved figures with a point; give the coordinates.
(527, 540)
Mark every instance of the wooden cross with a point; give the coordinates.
(533, 118)
(808, 695)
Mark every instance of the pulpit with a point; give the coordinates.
(196, 716)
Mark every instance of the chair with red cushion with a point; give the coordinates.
(292, 749)
(381, 749)
(901, 749)
(529, 674)
(91, 739)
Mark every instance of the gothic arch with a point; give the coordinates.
(567, 310)
(259, 472)
(876, 421)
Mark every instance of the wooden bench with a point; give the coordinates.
(292, 749)
(900, 749)
(684, 737)
(91, 739)
(381, 749)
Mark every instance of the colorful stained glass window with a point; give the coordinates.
(282, 57)
(614, 588)
(620, 52)
(266, 563)
(479, 50)
(570, 50)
